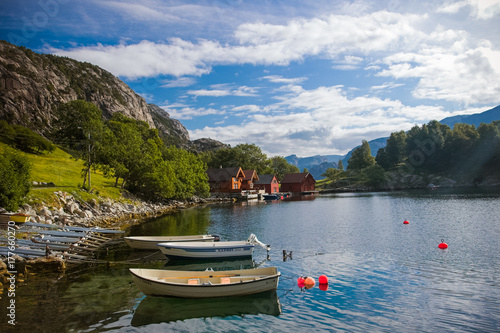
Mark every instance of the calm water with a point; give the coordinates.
(384, 276)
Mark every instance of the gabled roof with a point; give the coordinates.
(265, 179)
(293, 178)
(250, 175)
(224, 174)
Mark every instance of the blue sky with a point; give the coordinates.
(293, 77)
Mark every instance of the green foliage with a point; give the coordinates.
(246, 156)
(14, 179)
(361, 157)
(340, 165)
(394, 152)
(375, 174)
(279, 167)
(464, 152)
(332, 174)
(24, 139)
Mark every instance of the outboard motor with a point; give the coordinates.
(216, 238)
(253, 239)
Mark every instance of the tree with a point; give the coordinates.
(375, 174)
(279, 167)
(332, 174)
(15, 171)
(80, 126)
(246, 156)
(394, 152)
(361, 157)
(340, 165)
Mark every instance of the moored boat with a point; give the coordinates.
(199, 250)
(149, 242)
(203, 284)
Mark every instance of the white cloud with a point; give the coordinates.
(189, 112)
(480, 9)
(323, 119)
(179, 82)
(468, 76)
(225, 90)
(281, 79)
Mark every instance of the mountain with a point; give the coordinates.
(474, 119)
(316, 165)
(33, 85)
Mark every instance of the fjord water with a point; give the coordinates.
(384, 276)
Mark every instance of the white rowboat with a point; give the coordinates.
(203, 284)
(198, 250)
(149, 242)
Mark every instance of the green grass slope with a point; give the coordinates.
(65, 172)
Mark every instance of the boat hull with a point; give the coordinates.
(206, 250)
(156, 282)
(149, 242)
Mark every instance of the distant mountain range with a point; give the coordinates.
(317, 165)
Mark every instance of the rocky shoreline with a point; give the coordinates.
(70, 210)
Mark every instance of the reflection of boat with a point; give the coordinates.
(216, 265)
(203, 284)
(203, 250)
(149, 242)
(154, 310)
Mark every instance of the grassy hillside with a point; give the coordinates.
(64, 171)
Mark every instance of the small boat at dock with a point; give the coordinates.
(204, 250)
(204, 284)
(149, 242)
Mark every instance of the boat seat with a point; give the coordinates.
(193, 281)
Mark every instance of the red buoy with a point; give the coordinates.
(443, 245)
(323, 279)
(406, 222)
(301, 282)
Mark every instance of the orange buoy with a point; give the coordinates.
(309, 281)
(443, 245)
(323, 279)
(406, 222)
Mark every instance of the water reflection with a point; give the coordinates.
(154, 310)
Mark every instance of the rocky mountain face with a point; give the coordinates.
(33, 85)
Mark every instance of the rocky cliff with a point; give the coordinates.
(33, 85)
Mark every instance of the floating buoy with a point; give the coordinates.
(443, 245)
(309, 281)
(323, 279)
(406, 222)
(301, 282)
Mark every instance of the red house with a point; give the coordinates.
(226, 180)
(268, 183)
(249, 179)
(298, 182)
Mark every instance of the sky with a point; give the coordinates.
(293, 77)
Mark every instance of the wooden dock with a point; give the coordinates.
(72, 244)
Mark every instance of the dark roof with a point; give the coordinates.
(222, 174)
(293, 178)
(249, 175)
(265, 179)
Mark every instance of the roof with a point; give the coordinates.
(293, 178)
(250, 175)
(265, 179)
(224, 174)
